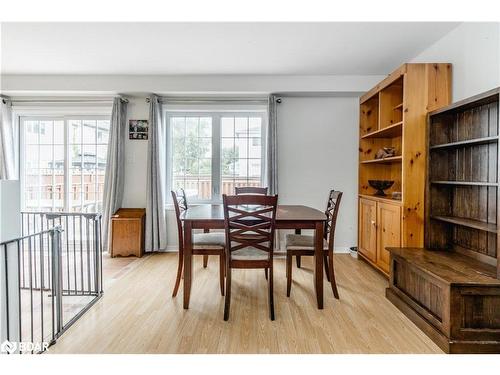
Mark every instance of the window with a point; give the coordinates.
(212, 153)
(64, 162)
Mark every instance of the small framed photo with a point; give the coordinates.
(138, 129)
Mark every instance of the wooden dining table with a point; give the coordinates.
(211, 216)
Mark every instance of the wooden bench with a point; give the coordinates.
(453, 298)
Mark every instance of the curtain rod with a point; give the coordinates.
(95, 100)
(211, 100)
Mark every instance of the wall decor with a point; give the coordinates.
(138, 129)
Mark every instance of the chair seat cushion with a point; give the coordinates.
(215, 240)
(301, 242)
(249, 253)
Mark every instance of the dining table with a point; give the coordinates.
(211, 216)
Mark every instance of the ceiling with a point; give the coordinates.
(213, 48)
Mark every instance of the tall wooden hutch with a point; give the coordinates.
(393, 114)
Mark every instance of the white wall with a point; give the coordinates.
(318, 151)
(474, 51)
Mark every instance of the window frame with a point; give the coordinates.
(216, 115)
(53, 116)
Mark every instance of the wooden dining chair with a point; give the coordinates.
(250, 221)
(238, 190)
(203, 243)
(298, 244)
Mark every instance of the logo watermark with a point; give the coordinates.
(11, 347)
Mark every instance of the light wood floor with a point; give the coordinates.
(138, 315)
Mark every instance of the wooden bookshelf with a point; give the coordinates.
(451, 287)
(393, 114)
(462, 189)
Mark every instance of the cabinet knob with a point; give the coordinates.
(373, 222)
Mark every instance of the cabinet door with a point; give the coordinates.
(368, 229)
(389, 232)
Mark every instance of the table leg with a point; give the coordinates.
(318, 261)
(188, 262)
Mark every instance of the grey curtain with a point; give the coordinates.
(115, 168)
(156, 236)
(7, 142)
(272, 146)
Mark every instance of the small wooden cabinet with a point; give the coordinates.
(368, 229)
(127, 232)
(379, 227)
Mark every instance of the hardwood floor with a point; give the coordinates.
(138, 315)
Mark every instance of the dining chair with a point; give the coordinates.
(250, 221)
(298, 244)
(238, 190)
(250, 190)
(203, 243)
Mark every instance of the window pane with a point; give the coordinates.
(227, 126)
(241, 127)
(101, 157)
(45, 169)
(241, 147)
(241, 154)
(59, 132)
(46, 132)
(192, 155)
(102, 132)
(31, 158)
(75, 131)
(241, 168)
(254, 127)
(254, 148)
(178, 126)
(31, 132)
(191, 126)
(89, 131)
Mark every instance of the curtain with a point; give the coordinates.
(272, 146)
(7, 142)
(115, 168)
(156, 237)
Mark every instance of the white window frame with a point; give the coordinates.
(20, 118)
(216, 115)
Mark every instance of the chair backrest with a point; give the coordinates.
(250, 221)
(332, 210)
(250, 190)
(180, 205)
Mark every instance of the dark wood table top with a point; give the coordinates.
(448, 266)
(284, 213)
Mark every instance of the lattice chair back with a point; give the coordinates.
(332, 210)
(250, 222)
(180, 205)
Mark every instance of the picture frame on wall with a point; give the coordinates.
(138, 129)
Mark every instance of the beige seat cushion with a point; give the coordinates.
(249, 253)
(301, 242)
(216, 240)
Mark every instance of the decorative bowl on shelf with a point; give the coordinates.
(380, 186)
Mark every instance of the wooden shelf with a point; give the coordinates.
(399, 106)
(472, 142)
(391, 160)
(391, 131)
(464, 183)
(470, 223)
